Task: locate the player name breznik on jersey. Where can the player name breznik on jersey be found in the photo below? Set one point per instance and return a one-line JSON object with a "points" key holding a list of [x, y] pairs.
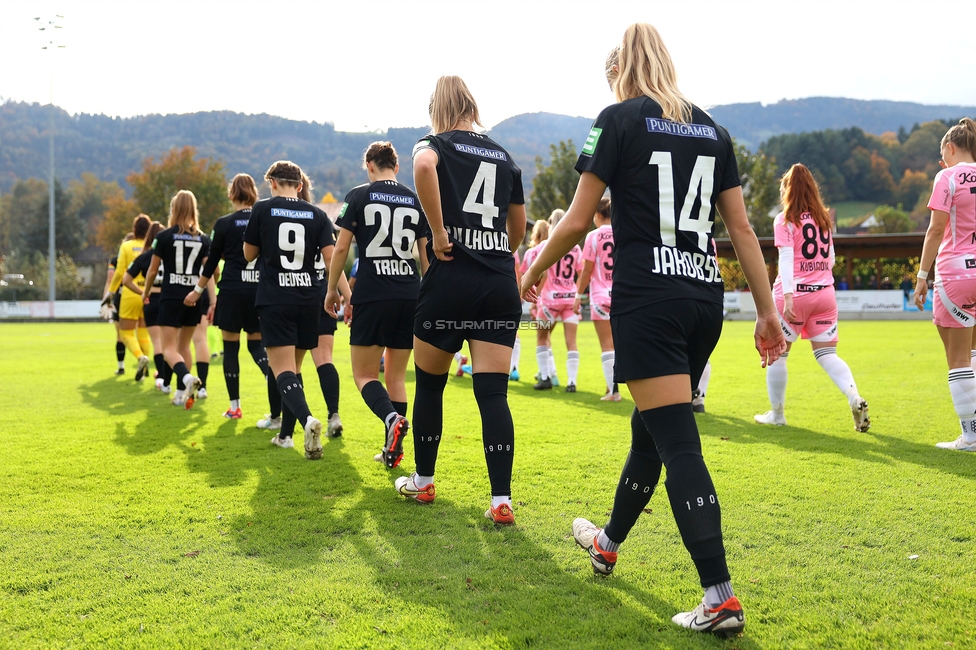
{"points": [[478, 181], [664, 208], [290, 234]]}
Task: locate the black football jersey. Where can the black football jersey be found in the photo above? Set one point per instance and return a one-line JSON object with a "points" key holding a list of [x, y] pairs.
{"points": [[227, 243], [664, 177], [140, 266], [290, 233], [182, 256], [478, 180], [386, 219]]}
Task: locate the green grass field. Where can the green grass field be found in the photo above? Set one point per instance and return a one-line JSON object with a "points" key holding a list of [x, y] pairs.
{"points": [[126, 522]]}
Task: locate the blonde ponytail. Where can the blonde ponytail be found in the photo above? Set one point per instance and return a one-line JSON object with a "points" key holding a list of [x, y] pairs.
{"points": [[646, 69]]}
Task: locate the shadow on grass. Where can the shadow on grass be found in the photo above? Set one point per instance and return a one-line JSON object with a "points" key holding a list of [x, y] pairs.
{"points": [[446, 557], [870, 447], [163, 425]]}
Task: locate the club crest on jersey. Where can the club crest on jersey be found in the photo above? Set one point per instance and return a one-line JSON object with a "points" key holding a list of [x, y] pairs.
{"points": [[480, 151], [292, 214], [656, 125], [390, 198]]}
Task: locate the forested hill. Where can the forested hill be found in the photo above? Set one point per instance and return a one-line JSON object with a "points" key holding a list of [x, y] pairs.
{"points": [[111, 148], [753, 124]]}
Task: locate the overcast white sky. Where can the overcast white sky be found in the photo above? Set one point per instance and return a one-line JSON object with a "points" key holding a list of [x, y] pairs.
{"points": [[371, 64]]}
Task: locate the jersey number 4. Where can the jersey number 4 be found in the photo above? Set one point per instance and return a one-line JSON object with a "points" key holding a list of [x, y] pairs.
{"points": [[186, 255], [700, 185], [485, 178]]}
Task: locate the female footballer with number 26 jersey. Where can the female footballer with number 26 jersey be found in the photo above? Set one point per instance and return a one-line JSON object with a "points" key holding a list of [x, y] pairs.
{"points": [[668, 167], [471, 192], [804, 293], [950, 244], [386, 219], [285, 234]]}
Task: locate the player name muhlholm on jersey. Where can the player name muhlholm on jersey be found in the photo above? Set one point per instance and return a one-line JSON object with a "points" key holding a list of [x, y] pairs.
{"points": [[671, 261], [480, 240]]}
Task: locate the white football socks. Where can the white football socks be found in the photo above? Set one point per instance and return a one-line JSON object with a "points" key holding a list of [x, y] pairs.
{"points": [[838, 371], [972, 360], [552, 362], [718, 594], [422, 481], [706, 376], [542, 357], [776, 382], [607, 360], [516, 352], [235, 404], [962, 387], [572, 366], [497, 501]]}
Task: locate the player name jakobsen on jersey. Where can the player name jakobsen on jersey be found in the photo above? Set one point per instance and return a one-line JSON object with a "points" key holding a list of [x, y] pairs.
{"points": [[480, 240], [672, 261]]}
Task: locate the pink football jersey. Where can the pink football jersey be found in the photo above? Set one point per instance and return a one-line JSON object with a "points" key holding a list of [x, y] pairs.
{"points": [[598, 249], [560, 287], [530, 255], [813, 250], [955, 192]]}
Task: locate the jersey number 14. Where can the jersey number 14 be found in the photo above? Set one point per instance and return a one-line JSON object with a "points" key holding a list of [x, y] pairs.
{"points": [[700, 185]]}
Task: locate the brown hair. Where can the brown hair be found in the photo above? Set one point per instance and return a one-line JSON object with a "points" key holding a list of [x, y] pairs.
{"points": [[139, 226], [305, 194], [284, 172], [801, 195], [962, 135], [154, 229], [646, 69], [450, 103], [183, 213], [381, 154], [243, 190], [540, 233], [603, 207]]}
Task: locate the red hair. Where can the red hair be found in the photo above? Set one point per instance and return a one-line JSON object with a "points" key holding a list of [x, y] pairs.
{"points": [[800, 194]]}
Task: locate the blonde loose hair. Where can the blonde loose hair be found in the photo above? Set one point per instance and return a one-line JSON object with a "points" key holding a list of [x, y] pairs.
{"points": [[540, 233], [183, 213], [554, 218], [450, 103], [646, 69], [962, 135]]}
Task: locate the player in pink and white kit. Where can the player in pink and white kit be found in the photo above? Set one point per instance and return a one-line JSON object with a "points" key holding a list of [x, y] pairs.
{"points": [[804, 293], [598, 274], [556, 305], [953, 222], [543, 354]]}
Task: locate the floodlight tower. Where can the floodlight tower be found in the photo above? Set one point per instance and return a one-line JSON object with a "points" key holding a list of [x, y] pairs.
{"points": [[51, 42]]}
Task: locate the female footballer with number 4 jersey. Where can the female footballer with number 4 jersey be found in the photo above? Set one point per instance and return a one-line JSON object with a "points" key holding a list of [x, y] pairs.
{"points": [[235, 310], [598, 274], [285, 234], [949, 243], [668, 167], [471, 192], [386, 220], [804, 293], [182, 251]]}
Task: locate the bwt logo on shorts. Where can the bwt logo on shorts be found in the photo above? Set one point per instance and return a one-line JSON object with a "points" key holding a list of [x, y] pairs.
{"points": [[960, 314], [824, 322]]}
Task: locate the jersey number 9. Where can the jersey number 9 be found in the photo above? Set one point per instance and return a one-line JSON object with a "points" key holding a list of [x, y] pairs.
{"points": [[291, 239]]}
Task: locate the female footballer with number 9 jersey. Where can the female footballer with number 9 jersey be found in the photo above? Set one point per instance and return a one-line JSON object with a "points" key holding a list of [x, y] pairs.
{"points": [[804, 293], [949, 243], [471, 191], [668, 167]]}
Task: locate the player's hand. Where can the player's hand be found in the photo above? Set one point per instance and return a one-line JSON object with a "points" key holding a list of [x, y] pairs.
{"points": [[347, 314], [442, 246], [332, 303], [528, 288], [145, 296], [788, 312], [191, 298], [210, 313], [921, 293], [769, 337], [106, 300], [576, 306]]}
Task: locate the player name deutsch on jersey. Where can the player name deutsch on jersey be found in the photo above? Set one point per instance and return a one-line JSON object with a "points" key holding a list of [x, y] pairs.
{"points": [[673, 261], [294, 279]]}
